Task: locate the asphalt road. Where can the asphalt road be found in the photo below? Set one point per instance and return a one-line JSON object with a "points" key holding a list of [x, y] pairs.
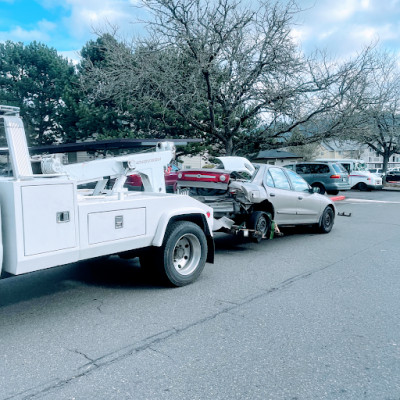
{"points": [[304, 316]]}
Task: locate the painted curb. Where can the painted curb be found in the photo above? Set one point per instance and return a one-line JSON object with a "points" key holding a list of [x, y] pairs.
{"points": [[337, 198]]}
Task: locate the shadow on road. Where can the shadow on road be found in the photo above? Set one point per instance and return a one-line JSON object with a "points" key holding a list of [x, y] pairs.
{"points": [[107, 273], [112, 273], [238, 243]]}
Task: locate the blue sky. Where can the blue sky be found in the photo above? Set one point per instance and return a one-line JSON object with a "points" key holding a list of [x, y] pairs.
{"points": [[342, 27]]}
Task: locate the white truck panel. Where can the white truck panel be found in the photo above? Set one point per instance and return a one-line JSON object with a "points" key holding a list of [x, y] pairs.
{"points": [[48, 218], [26, 225], [115, 225]]}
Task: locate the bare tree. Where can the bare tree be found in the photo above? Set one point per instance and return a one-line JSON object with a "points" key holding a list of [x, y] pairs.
{"points": [[378, 120], [223, 65]]}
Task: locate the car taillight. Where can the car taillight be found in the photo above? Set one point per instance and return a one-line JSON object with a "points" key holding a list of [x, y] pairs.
{"points": [[335, 176]]}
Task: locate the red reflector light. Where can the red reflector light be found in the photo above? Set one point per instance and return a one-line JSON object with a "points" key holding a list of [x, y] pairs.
{"points": [[208, 214], [335, 176]]}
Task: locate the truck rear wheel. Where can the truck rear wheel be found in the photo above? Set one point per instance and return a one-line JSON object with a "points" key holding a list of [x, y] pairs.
{"points": [[362, 187], [181, 258]]}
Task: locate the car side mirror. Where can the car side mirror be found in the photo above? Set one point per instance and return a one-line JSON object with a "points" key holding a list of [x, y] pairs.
{"points": [[314, 190]]}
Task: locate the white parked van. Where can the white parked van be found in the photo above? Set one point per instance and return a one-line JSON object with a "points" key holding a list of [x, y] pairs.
{"points": [[359, 176]]}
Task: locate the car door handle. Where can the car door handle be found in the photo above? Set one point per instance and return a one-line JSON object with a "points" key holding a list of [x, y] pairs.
{"points": [[272, 194], [300, 198]]}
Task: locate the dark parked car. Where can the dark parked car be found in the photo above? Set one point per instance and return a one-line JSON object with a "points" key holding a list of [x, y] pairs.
{"points": [[327, 176], [392, 176]]}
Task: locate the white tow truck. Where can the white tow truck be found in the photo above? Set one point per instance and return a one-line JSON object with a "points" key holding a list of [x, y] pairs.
{"points": [[47, 220]]}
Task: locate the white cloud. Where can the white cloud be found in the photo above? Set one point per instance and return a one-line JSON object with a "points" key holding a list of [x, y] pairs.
{"points": [[300, 33], [343, 10], [367, 33], [345, 27], [40, 33], [46, 26], [19, 34], [326, 34], [85, 17]]}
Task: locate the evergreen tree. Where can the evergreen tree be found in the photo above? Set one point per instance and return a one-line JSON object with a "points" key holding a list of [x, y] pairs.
{"points": [[36, 79]]}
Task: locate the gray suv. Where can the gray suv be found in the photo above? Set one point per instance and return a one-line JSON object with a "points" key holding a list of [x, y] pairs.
{"points": [[328, 177]]}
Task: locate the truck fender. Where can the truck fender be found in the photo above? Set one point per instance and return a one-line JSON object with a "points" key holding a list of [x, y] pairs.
{"points": [[192, 215]]}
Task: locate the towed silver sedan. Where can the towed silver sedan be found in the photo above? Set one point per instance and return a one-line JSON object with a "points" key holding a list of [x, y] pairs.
{"points": [[253, 195]]}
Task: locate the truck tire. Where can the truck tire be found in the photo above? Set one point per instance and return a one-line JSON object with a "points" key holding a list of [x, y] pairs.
{"points": [[182, 256], [260, 222], [362, 187]]}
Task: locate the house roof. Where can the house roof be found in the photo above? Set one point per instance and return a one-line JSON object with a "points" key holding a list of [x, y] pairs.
{"points": [[347, 145], [274, 154]]}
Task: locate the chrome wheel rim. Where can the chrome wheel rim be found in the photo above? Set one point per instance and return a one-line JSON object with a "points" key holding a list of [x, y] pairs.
{"points": [[186, 254]]}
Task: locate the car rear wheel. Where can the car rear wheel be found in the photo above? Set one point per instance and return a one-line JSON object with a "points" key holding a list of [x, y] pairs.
{"points": [[362, 186], [261, 223], [320, 187]]}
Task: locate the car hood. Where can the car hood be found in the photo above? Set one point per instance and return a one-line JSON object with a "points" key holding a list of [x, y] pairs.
{"points": [[239, 164]]}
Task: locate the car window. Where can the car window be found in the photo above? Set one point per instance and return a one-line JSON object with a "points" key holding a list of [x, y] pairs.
{"points": [[303, 169], [320, 169], [342, 168], [280, 179], [268, 181], [290, 166], [346, 166], [298, 183], [337, 168]]}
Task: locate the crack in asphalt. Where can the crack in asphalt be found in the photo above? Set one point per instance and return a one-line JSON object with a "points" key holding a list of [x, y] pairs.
{"points": [[149, 342], [161, 353], [100, 305], [76, 351]]}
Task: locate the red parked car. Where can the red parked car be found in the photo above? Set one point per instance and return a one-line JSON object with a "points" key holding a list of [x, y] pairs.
{"points": [[134, 182], [214, 181]]}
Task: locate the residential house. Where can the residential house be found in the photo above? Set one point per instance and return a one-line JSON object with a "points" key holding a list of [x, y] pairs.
{"points": [[276, 157], [350, 149]]}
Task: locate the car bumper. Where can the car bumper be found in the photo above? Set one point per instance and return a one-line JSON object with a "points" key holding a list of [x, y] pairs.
{"points": [[339, 186]]}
